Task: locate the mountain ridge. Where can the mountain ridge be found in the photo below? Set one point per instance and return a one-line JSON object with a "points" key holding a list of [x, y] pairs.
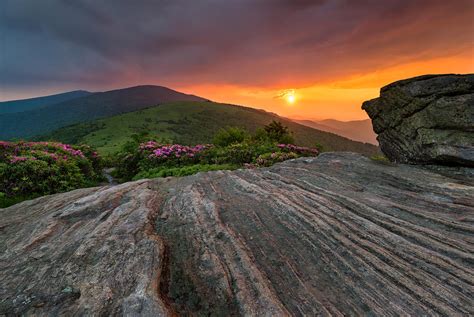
{"points": [[20, 105], [101, 104]]}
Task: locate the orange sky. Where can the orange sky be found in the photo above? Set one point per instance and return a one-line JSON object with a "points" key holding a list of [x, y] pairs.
{"points": [[339, 98]]}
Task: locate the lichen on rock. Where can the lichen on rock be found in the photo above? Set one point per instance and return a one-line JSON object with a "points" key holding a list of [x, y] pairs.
{"points": [[426, 120]]}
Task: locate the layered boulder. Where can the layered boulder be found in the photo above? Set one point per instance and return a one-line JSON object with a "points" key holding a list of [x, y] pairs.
{"points": [[426, 120], [339, 234]]}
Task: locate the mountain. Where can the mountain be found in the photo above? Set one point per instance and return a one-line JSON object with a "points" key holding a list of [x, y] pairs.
{"points": [[98, 105], [14, 106], [192, 123], [339, 234], [358, 130]]}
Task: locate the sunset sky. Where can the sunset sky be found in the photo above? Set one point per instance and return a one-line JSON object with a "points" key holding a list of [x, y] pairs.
{"points": [[330, 54]]}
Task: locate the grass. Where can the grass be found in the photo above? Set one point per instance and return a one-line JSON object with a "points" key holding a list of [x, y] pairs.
{"points": [[193, 123], [10, 201], [382, 160]]}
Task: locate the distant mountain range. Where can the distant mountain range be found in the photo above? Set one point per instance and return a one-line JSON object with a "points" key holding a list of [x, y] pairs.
{"points": [[106, 120], [38, 102], [358, 130], [46, 114]]}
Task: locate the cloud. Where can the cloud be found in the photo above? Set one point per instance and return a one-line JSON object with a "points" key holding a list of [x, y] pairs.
{"points": [[264, 43]]}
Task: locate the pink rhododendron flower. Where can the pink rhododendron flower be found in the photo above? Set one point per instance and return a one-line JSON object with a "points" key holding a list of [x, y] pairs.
{"points": [[16, 159], [159, 151], [298, 149]]}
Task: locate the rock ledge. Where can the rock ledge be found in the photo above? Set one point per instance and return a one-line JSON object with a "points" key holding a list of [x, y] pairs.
{"points": [[426, 120]]}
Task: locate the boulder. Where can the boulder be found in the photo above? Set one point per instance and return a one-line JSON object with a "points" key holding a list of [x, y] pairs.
{"points": [[339, 234], [426, 120]]}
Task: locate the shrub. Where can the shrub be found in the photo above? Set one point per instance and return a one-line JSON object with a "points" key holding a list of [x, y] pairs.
{"points": [[230, 135], [269, 159], [274, 132], [152, 154], [277, 132], [137, 139], [152, 159], [30, 169], [320, 147], [234, 148], [240, 153], [300, 150]]}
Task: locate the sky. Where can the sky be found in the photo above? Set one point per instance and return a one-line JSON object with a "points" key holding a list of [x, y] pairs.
{"points": [[330, 55]]}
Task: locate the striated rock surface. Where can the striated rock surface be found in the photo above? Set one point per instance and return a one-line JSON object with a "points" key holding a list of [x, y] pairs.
{"points": [[426, 119], [335, 235], [87, 252]]}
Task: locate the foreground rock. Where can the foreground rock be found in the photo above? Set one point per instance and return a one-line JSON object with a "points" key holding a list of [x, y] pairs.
{"points": [[339, 234], [426, 119]]}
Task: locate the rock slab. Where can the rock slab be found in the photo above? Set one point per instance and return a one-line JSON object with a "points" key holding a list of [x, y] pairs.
{"points": [[335, 235], [426, 120]]}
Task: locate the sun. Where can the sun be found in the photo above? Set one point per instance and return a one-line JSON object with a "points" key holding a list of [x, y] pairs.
{"points": [[290, 97]]}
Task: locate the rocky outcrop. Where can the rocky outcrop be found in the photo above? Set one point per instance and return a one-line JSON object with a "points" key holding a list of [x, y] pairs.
{"points": [[87, 252], [426, 119], [335, 235]]}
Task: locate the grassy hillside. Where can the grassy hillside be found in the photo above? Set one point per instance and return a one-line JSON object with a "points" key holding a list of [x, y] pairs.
{"points": [[193, 123], [84, 109]]}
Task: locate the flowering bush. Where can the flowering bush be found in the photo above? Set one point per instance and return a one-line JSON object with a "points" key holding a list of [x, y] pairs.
{"points": [[269, 159], [300, 150], [29, 169], [233, 148], [153, 154], [169, 152], [153, 159], [240, 153]]}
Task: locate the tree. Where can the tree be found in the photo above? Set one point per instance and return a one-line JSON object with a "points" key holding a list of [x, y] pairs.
{"points": [[275, 131]]}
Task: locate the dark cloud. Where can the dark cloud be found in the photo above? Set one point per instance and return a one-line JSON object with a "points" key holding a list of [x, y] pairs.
{"points": [[89, 43]]}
